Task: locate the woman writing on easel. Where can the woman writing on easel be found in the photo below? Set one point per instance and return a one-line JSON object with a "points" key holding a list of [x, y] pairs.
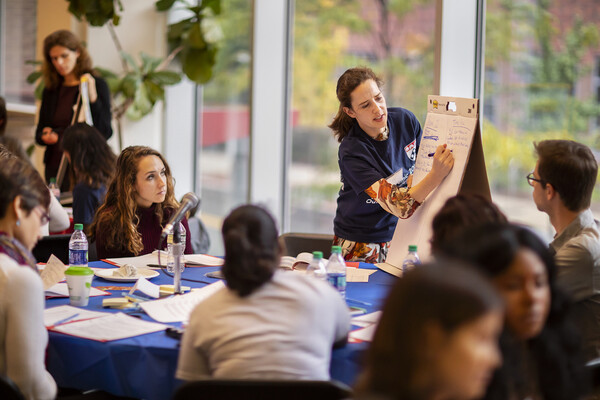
{"points": [[66, 64], [376, 142]]}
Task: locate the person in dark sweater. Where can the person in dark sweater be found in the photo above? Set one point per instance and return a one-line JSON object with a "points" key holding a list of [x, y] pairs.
{"points": [[377, 154], [66, 63], [140, 200], [93, 164]]}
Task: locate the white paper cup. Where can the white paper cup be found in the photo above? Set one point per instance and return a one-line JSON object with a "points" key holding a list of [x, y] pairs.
{"points": [[79, 282]]}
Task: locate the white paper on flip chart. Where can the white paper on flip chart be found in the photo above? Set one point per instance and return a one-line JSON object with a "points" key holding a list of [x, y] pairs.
{"points": [[178, 308], [152, 258], [61, 290], [59, 313], [110, 327]]}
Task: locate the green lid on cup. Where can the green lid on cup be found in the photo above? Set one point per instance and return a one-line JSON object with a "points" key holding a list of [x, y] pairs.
{"points": [[78, 227], [78, 270]]}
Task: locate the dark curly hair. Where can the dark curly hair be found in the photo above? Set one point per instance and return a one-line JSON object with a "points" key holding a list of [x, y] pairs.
{"points": [[252, 249], [556, 351], [92, 158]]}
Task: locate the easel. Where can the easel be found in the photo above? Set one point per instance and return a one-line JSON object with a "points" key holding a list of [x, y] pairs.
{"points": [[454, 121]]}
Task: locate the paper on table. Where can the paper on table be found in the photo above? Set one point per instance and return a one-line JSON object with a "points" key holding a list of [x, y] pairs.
{"points": [[59, 313], [53, 272], [61, 290], [152, 258], [146, 287], [358, 274], [371, 318], [178, 308], [110, 327], [364, 334]]}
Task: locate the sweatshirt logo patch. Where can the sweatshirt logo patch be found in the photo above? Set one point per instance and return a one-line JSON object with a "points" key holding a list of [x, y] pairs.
{"points": [[411, 150]]}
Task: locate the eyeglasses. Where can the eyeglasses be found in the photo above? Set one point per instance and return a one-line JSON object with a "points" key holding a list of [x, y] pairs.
{"points": [[44, 217], [531, 179]]}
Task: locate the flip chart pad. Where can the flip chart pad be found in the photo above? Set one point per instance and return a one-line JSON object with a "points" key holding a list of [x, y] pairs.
{"points": [[452, 121]]}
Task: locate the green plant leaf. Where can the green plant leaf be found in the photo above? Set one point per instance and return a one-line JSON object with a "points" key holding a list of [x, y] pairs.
{"points": [[34, 76], [214, 5], [142, 100], [129, 85], [176, 30], [155, 92], [39, 89], [131, 61], [165, 77], [133, 113], [149, 63], [195, 38], [198, 64], [33, 62], [164, 5]]}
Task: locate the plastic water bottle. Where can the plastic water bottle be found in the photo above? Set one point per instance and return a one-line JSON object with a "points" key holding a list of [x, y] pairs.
{"points": [[54, 188], [411, 260], [170, 250], [336, 270], [316, 267], [78, 247]]}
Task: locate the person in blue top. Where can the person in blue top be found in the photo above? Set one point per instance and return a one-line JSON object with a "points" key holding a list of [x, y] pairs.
{"points": [[94, 165], [377, 153]]}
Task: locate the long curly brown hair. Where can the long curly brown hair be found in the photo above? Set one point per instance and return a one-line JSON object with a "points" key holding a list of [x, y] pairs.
{"points": [[64, 38], [119, 208]]}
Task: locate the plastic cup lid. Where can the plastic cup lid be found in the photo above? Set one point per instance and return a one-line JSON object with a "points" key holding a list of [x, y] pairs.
{"points": [[77, 270]]}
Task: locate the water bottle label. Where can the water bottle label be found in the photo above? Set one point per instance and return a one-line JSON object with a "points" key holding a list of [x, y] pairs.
{"points": [[338, 281], [78, 257]]}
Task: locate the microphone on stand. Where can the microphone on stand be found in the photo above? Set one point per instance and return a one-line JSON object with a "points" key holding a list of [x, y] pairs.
{"points": [[189, 201]]}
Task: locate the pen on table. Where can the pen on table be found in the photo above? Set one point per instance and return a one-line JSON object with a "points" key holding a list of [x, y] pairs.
{"points": [[359, 302], [65, 320], [432, 154]]}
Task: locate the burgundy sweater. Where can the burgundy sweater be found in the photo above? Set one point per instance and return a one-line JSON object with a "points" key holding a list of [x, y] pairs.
{"points": [[149, 227]]}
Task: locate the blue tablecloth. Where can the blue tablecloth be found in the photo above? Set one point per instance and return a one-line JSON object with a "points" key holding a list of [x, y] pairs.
{"points": [[144, 366]]}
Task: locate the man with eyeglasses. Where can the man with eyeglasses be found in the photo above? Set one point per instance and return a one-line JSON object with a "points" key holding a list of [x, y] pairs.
{"points": [[563, 181]]}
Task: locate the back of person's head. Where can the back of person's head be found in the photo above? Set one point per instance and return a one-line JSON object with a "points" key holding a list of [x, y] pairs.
{"points": [[67, 39], [19, 178], [90, 155], [252, 249], [346, 84], [3, 115], [460, 212], [411, 356], [570, 168]]}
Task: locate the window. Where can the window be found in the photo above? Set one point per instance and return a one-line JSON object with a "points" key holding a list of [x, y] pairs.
{"points": [[18, 33], [330, 37], [223, 122], [538, 85]]}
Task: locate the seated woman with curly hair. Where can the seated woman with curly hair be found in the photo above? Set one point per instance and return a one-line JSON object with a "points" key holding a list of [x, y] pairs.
{"points": [[139, 203]]}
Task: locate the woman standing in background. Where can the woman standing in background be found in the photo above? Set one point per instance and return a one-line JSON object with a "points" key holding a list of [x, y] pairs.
{"points": [[66, 63]]}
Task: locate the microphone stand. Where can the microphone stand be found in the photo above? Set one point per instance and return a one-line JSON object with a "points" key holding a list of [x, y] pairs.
{"points": [[178, 248]]}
